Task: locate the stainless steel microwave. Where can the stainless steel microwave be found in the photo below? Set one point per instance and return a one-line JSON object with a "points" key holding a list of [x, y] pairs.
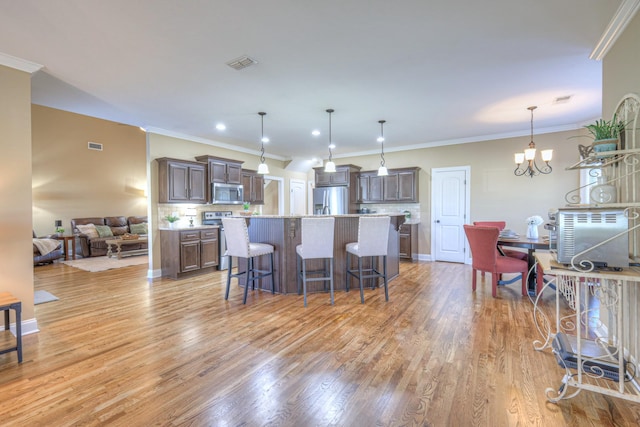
{"points": [[227, 194]]}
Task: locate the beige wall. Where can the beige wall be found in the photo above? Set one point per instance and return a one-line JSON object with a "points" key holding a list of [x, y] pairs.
{"points": [[15, 189], [621, 68], [496, 193], [71, 181]]}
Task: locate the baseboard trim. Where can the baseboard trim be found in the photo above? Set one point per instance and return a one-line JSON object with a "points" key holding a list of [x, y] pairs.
{"points": [[154, 274], [424, 257], [28, 327]]}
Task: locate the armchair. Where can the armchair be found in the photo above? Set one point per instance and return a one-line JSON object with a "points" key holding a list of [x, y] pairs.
{"points": [[49, 257]]}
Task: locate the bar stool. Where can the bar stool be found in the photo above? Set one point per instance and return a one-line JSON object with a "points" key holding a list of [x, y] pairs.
{"points": [[317, 243], [373, 239], [238, 245], [9, 302]]}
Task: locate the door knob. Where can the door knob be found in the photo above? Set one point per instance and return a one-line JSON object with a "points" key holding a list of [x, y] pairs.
{"points": [[437, 221]]}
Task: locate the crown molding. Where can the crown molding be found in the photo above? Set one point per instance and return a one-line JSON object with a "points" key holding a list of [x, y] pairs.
{"points": [[18, 63], [179, 135], [623, 16]]}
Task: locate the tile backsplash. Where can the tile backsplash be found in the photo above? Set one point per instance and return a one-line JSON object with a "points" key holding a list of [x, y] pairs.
{"points": [[414, 208]]}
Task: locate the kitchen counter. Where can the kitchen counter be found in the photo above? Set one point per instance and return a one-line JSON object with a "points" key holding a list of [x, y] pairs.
{"points": [[284, 233]]}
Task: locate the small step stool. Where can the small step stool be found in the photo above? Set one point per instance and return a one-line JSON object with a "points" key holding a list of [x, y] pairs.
{"points": [[9, 302]]}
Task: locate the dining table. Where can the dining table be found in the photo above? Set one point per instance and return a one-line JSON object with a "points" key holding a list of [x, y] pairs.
{"points": [[530, 245]]}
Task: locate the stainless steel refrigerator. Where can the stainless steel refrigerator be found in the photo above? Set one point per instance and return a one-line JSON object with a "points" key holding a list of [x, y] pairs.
{"points": [[330, 200]]}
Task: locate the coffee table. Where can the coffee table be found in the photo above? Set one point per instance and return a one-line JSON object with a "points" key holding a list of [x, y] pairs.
{"points": [[118, 243]]}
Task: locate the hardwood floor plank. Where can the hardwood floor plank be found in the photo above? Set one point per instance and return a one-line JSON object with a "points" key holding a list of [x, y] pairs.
{"points": [[117, 349]]}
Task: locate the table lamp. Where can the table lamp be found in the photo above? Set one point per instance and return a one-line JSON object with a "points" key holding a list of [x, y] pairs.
{"points": [[191, 213]]}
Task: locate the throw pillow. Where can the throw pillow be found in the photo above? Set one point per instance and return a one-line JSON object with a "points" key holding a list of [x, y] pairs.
{"points": [[89, 230], [104, 231], [141, 228]]}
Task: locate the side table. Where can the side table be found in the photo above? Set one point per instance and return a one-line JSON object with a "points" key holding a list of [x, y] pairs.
{"points": [[65, 244], [9, 302]]}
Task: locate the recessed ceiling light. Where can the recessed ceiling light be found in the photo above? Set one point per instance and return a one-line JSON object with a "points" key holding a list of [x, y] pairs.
{"points": [[315, 132], [265, 139], [221, 126], [332, 146]]}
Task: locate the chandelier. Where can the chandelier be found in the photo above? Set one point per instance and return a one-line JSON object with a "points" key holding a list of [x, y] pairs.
{"points": [[531, 169]]}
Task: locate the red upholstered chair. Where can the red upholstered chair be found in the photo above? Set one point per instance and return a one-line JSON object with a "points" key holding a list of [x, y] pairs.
{"points": [[501, 225], [483, 241]]}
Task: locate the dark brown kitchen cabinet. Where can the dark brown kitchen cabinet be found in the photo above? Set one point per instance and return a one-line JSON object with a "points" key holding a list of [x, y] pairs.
{"points": [[400, 186], [344, 175], [181, 181], [190, 251], [408, 234], [253, 185], [370, 188], [225, 171]]}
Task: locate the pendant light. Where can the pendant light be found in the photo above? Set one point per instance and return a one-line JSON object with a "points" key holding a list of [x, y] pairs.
{"points": [[263, 168], [529, 155], [330, 166], [382, 170]]}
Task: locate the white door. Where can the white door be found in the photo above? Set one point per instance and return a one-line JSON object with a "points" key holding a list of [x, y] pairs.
{"points": [[449, 211], [297, 199]]}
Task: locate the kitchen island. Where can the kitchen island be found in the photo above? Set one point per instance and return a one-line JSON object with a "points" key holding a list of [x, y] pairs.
{"points": [[284, 233]]}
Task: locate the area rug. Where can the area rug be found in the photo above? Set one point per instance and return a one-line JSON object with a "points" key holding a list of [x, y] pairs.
{"points": [[40, 297], [102, 263]]}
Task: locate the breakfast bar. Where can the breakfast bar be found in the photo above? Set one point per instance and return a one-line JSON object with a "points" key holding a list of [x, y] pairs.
{"points": [[284, 233]]}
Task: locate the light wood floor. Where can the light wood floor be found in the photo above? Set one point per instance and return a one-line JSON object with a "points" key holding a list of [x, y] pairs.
{"points": [[119, 350]]}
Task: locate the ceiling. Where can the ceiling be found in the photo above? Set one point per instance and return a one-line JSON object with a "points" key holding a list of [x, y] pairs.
{"points": [[438, 71]]}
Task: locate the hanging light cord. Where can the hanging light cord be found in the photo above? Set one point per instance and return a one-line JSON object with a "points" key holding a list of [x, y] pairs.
{"points": [[262, 136], [531, 109], [382, 141], [330, 110]]}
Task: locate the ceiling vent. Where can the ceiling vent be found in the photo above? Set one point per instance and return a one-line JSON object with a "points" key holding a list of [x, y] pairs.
{"points": [[242, 62], [94, 146], [562, 99]]}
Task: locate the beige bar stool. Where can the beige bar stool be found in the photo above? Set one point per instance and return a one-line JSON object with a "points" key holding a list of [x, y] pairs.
{"points": [[317, 243], [238, 245], [373, 239]]}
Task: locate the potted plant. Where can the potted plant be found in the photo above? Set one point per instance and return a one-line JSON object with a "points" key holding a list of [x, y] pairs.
{"points": [[245, 209], [171, 219], [606, 133]]}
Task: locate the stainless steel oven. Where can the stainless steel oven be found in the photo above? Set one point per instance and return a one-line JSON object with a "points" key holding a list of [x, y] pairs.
{"points": [[215, 218]]}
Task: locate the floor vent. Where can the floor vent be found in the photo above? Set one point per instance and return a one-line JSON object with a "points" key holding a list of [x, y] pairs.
{"points": [[94, 146], [242, 62]]}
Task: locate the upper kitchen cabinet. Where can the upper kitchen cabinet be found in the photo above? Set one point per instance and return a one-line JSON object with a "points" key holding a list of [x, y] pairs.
{"points": [[344, 175], [400, 186], [370, 188], [225, 171], [253, 185], [181, 181]]}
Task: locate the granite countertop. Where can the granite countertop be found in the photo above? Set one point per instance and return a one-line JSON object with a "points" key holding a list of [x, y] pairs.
{"points": [[311, 216], [187, 228]]}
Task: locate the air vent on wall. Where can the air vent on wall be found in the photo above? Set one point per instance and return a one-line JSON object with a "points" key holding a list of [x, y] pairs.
{"points": [[562, 99], [94, 146], [242, 62]]}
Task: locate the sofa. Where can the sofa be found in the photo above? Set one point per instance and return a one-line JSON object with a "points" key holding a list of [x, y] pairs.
{"points": [[49, 257], [94, 232]]}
